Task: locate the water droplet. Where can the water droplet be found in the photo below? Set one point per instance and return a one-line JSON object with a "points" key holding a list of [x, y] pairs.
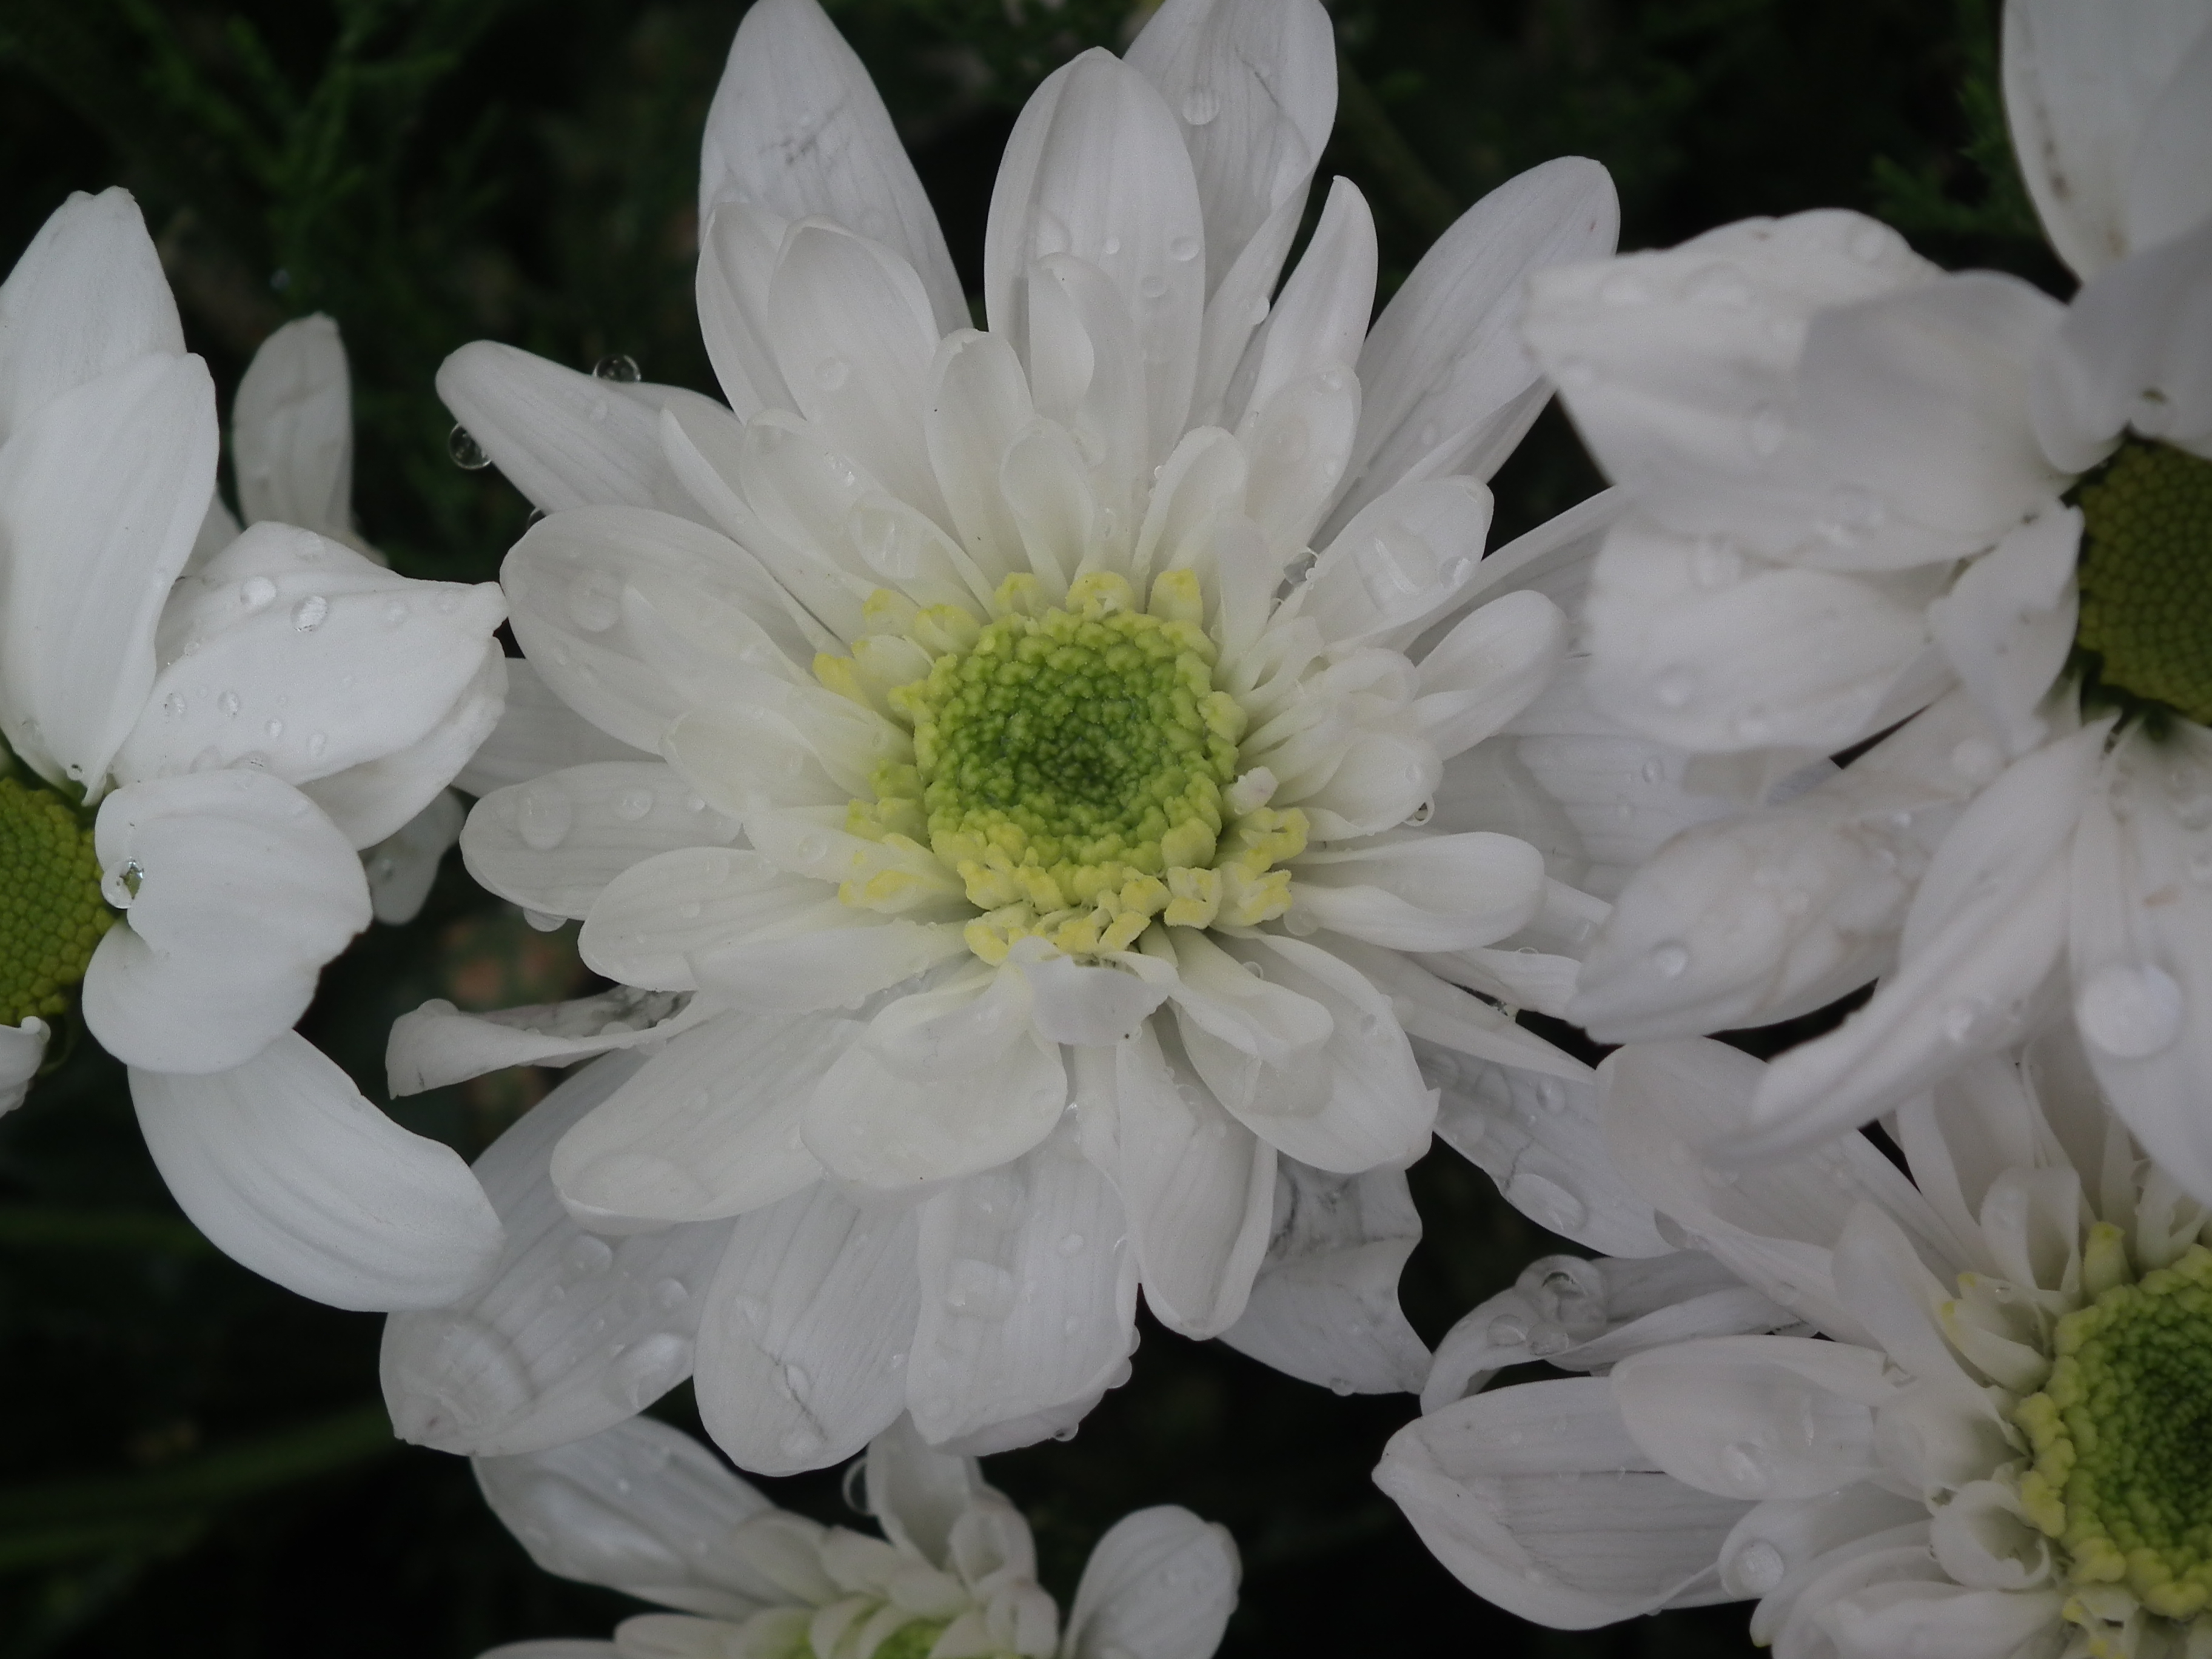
{"points": [[1183, 249], [307, 615], [832, 372], [541, 817], [1200, 105], [468, 454], [1744, 1465], [1653, 770], [799, 1443], [395, 612], [119, 887], [273, 730], [1547, 1340], [2131, 1011], [1674, 685], [633, 804], [1757, 1568], [1506, 1331], [649, 1370], [1962, 1020], [588, 1255], [1111, 246], [173, 706], [616, 366], [229, 704], [1152, 288], [795, 1380], [1765, 432], [595, 600], [317, 742], [1072, 1245], [813, 847], [1671, 959], [980, 1290], [255, 592], [1422, 814]]}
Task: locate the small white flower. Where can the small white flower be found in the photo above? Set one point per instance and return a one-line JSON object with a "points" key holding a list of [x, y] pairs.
{"points": [[1864, 490], [1049, 855], [1959, 1413], [646, 1509], [215, 722]]}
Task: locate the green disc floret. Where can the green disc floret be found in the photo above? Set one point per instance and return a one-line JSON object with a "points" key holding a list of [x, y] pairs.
{"points": [[51, 912], [2146, 577], [2122, 1434]]}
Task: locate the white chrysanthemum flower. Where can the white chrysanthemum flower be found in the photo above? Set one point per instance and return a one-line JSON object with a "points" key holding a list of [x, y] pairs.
{"points": [[214, 722], [1003, 772], [1958, 1410], [1862, 488], [646, 1509]]}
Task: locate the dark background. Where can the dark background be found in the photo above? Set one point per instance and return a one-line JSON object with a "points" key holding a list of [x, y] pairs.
{"points": [[193, 1463]]}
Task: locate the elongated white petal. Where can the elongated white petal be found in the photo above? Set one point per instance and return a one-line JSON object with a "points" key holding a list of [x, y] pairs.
{"points": [[1029, 1301], [1984, 929], [1324, 1307], [1542, 1140], [102, 490], [1160, 1584], [1433, 1008], [1444, 358], [798, 128], [1537, 1498], [709, 1128], [1101, 1005], [918, 1493], [641, 1508], [978, 405], [2007, 623], [1320, 322], [22, 1051], [870, 1124], [2166, 189], [1422, 892], [536, 734], [572, 1333], [87, 296], [291, 430], [1488, 669], [402, 867], [297, 655], [292, 1172], [2079, 88], [647, 924], [1096, 159], [437, 1044], [803, 1351], [1942, 1621], [1199, 1186], [244, 891], [553, 844]]}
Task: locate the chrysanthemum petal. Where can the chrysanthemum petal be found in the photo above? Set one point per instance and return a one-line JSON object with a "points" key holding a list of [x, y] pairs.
{"points": [[1160, 1584], [22, 1051], [291, 429], [536, 734], [376, 798], [436, 1044], [553, 844], [403, 867]]}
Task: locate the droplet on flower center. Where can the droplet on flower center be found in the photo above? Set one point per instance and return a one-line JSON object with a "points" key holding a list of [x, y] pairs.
{"points": [[2123, 1439], [2146, 577], [51, 912]]}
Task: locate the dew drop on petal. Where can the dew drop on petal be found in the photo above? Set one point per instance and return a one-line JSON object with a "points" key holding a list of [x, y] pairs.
{"points": [[1675, 686], [1183, 249], [2130, 1010], [273, 730], [588, 1255], [1756, 1568], [1200, 105], [541, 817], [617, 367], [1670, 959], [1152, 288], [649, 1370], [831, 372], [395, 612], [1506, 1331], [633, 804], [173, 706], [255, 592], [229, 704], [1743, 1464], [1072, 1245], [468, 454], [307, 615]]}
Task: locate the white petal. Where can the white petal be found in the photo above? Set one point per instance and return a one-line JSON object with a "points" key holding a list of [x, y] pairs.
{"points": [[1096, 159], [573, 1333], [1160, 1584], [218, 530], [1421, 892], [633, 617], [1775, 1549], [291, 1172], [977, 406], [563, 439], [1199, 1186], [651, 920], [1324, 1307], [402, 867], [22, 1051], [2135, 350], [536, 734], [832, 958], [1488, 669], [552, 845], [245, 890], [298, 656], [1300, 440], [556, 1647], [737, 248], [1444, 360], [1939, 1621], [803, 1351], [708, 1128], [375, 799], [1320, 322], [1542, 1140], [1029, 1301], [797, 127], [2007, 623], [1102, 1004], [917, 1492], [103, 491], [2079, 87], [1536, 1498], [1431, 1008], [87, 296], [1700, 645], [2141, 971], [2167, 186], [641, 1508], [1983, 931], [436, 1044], [291, 430]]}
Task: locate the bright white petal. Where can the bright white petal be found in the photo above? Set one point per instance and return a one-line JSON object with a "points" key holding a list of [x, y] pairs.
{"points": [[103, 491], [1537, 1498], [291, 430], [573, 1333], [1161, 1584], [709, 1128], [436, 1044], [291, 1172], [1320, 322], [401, 866], [553, 845], [641, 1508], [797, 127], [1939, 1621], [2007, 623], [536, 734], [803, 1351], [1488, 669], [244, 891], [1029, 1301], [2167, 191], [1421, 892], [1324, 1307], [1400, 563], [22, 1051]]}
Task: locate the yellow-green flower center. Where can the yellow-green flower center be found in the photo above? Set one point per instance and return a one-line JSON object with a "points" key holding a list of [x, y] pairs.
{"points": [[2123, 1439], [1074, 768], [51, 912], [2146, 577]]}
